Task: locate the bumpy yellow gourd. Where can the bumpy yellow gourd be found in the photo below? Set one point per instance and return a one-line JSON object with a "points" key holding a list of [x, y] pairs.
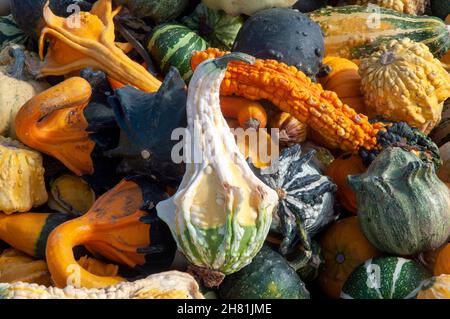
{"points": [[404, 6], [402, 81], [22, 183]]}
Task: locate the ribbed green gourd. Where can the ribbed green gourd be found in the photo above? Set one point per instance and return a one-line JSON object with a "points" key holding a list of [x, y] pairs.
{"points": [[221, 213], [403, 207]]}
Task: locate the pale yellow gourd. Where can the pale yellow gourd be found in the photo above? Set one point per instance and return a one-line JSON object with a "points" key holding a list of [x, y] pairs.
{"points": [[402, 81]]}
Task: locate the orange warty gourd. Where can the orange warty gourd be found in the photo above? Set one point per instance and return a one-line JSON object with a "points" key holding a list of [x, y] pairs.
{"points": [[344, 79], [342, 167], [293, 92], [92, 44], [442, 265], [344, 247]]}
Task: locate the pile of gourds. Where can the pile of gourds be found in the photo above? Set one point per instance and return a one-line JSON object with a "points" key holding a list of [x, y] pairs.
{"points": [[122, 175]]}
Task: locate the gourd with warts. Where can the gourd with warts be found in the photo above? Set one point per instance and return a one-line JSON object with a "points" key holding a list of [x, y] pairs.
{"points": [[404, 6], [221, 213], [402, 81]]}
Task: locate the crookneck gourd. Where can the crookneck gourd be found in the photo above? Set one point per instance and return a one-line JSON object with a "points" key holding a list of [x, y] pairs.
{"points": [[306, 198], [166, 285], [122, 226], [22, 184], [292, 91], [28, 232], [91, 44], [221, 213], [402, 81], [403, 207]]}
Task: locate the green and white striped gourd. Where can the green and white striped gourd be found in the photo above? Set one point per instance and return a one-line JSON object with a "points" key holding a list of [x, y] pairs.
{"points": [[355, 31], [385, 278], [173, 45], [221, 213], [10, 32], [403, 207]]}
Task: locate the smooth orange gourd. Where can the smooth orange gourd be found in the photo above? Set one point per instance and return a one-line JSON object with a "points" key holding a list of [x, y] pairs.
{"points": [[342, 167], [435, 288], [53, 123], [442, 265], [344, 247], [90, 44], [293, 92], [120, 228], [250, 114]]}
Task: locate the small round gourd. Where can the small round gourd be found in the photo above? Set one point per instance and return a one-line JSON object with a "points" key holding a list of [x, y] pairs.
{"points": [[442, 264], [402, 81]]}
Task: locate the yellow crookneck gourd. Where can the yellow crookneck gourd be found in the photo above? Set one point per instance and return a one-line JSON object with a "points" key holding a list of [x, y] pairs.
{"points": [[402, 81], [221, 213], [90, 44]]}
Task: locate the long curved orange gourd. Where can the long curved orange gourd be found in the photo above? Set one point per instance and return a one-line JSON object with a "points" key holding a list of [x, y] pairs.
{"points": [[293, 92], [114, 227], [43, 121], [90, 44]]}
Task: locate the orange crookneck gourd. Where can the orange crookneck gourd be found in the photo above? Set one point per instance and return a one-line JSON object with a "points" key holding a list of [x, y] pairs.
{"points": [[91, 43]]}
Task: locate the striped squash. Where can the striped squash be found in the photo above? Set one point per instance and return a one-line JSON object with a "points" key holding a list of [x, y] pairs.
{"points": [[173, 45], [10, 32], [355, 31], [385, 278]]}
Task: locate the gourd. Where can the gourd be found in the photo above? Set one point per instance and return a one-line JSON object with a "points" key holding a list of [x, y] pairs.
{"points": [[402, 81], [268, 276], [440, 8], [216, 27], [344, 248], [248, 7], [10, 32], [305, 198], [221, 212], [342, 77], [22, 184], [385, 278], [166, 285], [291, 130], [351, 32], [17, 85], [284, 35], [309, 5], [173, 45], [340, 126], [157, 10], [250, 114], [28, 232], [98, 267], [403, 207], [92, 44], [442, 265], [444, 172], [15, 266], [147, 123], [404, 6], [435, 288], [345, 165], [71, 195], [122, 226]]}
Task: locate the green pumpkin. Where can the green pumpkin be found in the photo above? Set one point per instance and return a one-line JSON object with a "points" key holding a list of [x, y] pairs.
{"points": [[403, 207], [268, 276], [173, 45], [218, 28], [385, 278], [10, 32], [157, 10]]}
